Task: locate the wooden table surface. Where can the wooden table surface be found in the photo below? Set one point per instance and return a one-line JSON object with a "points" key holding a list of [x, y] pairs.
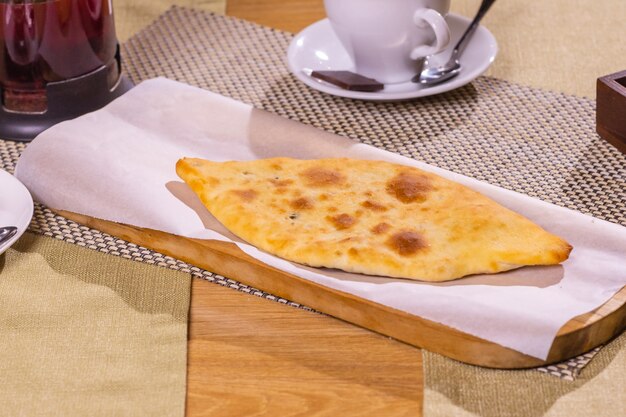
{"points": [[288, 15], [251, 356]]}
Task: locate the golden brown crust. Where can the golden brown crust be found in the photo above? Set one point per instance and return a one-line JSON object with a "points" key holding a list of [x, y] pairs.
{"points": [[369, 217]]}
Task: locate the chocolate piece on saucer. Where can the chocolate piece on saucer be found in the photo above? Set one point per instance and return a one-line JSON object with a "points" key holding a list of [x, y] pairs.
{"points": [[348, 80]]}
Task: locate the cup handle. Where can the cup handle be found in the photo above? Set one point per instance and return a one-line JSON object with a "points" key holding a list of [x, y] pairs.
{"points": [[439, 26]]}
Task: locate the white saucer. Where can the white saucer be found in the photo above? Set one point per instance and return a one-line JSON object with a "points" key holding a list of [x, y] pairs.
{"points": [[16, 206], [317, 48]]}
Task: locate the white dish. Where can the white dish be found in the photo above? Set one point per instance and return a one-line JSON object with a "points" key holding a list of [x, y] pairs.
{"points": [[16, 206], [318, 48]]}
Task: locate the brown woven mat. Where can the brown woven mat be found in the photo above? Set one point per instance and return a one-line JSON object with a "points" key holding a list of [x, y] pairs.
{"points": [[536, 142]]}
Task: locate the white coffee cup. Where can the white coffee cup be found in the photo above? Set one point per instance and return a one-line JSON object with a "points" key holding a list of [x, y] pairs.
{"points": [[389, 39]]}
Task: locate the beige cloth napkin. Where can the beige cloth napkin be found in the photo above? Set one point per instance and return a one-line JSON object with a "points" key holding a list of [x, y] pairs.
{"points": [[88, 334], [455, 389], [130, 16], [559, 45]]}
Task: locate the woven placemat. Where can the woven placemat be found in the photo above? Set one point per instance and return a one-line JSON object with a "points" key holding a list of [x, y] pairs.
{"points": [[536, 142]]}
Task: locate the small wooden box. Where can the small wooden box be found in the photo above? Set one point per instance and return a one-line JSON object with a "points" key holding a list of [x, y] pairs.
{"points": [[611, 109]]}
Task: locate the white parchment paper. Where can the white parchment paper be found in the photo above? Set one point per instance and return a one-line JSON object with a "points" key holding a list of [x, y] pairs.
{"points": [[119, 164]]}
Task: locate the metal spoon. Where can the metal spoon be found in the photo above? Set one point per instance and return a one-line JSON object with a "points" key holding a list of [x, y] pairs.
{"points": [[6, 233], [435, 75]]}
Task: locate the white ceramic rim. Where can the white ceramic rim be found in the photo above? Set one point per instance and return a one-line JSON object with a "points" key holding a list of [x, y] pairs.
{"points": [[16, 206]]}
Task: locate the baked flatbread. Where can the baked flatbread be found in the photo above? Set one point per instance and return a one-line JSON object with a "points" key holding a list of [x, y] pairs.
{"points": [[369, 217]]}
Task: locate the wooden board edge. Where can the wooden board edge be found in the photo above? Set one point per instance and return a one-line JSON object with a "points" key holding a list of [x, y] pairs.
{"points": [[578, 336]]}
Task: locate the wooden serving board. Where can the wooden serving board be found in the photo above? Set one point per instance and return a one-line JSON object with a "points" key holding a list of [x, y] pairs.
{"points": [[577, 336]]}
